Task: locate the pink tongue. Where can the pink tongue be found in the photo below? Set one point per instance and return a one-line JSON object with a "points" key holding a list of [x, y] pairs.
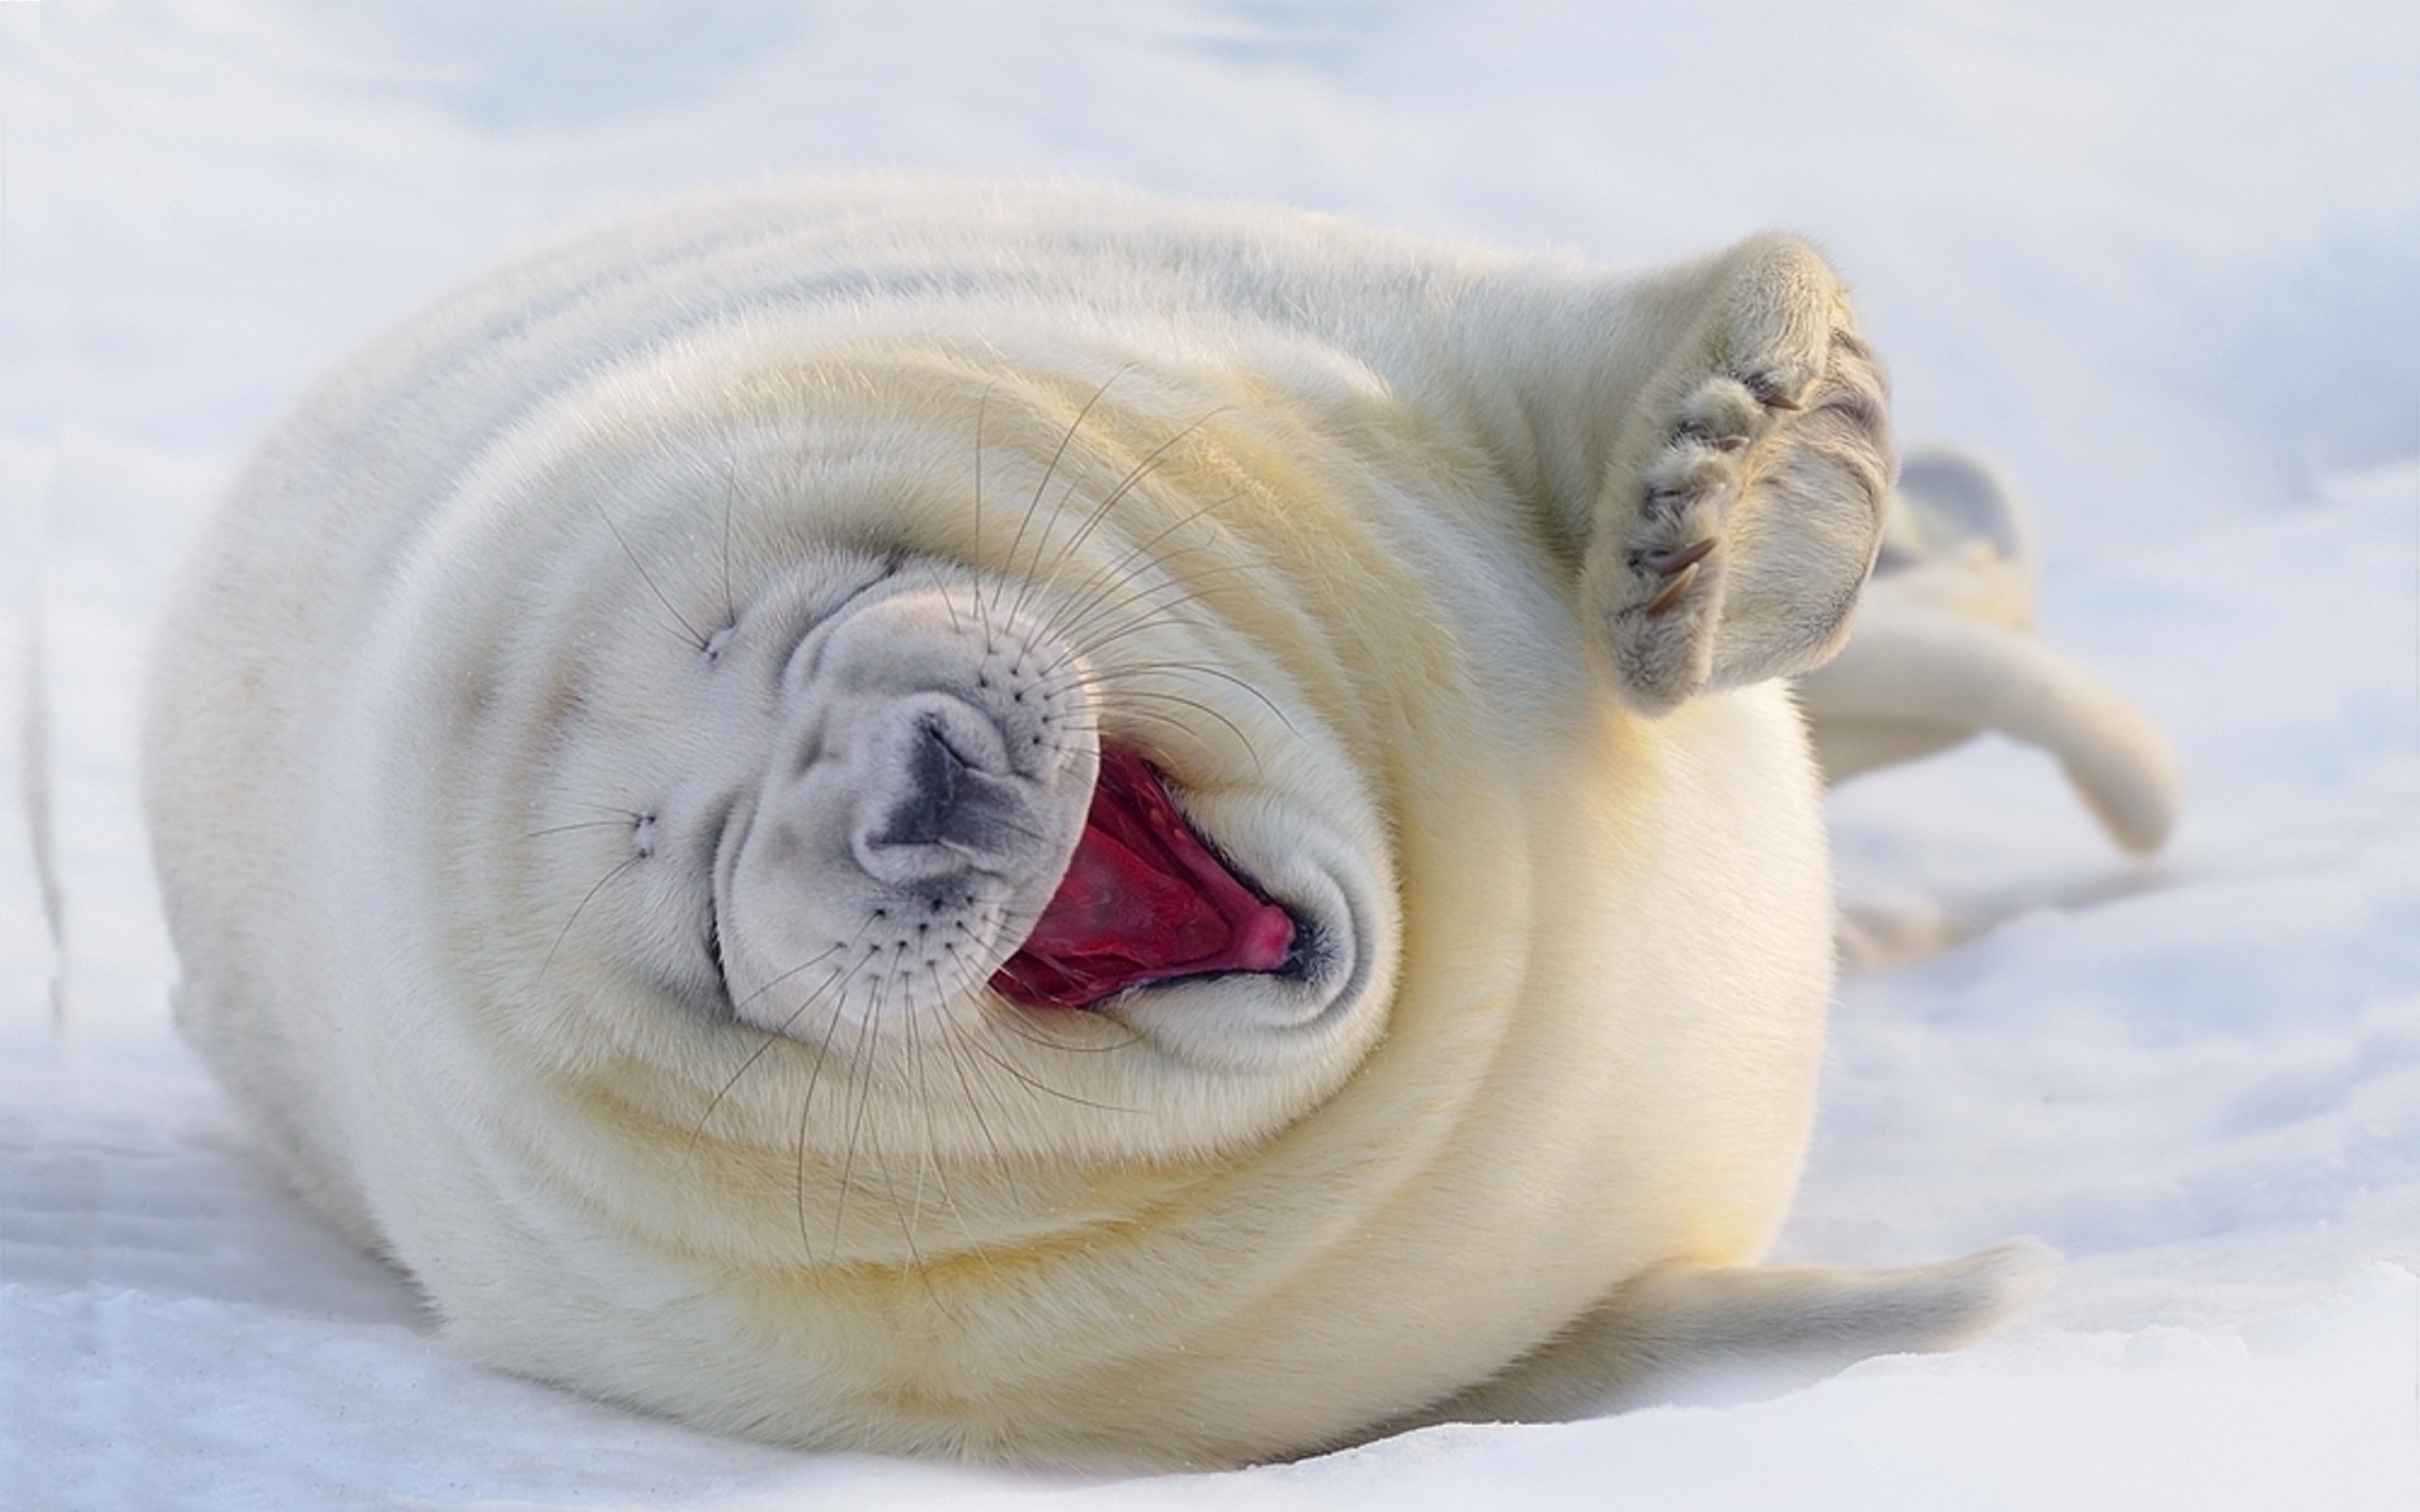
{"points": [[1143, 901]]}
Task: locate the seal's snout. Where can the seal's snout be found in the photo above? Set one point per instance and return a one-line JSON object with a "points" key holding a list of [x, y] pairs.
{"points": [[930, 771], [954, 730], [941, 797]]}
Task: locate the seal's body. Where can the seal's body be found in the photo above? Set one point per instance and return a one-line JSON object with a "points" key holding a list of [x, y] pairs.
{"points": [[1031, 824]]}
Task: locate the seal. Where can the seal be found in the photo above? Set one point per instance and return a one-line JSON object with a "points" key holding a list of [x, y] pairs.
{"points": [[1028, 824]]}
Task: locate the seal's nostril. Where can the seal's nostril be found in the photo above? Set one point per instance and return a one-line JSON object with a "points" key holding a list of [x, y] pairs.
{"points": [[936, 775]]}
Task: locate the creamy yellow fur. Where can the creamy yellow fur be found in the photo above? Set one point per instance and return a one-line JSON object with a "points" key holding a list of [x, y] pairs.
{"points": [[1344, 531]]}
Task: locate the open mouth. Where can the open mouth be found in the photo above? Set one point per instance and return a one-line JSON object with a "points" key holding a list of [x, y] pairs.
{"points": [[1144, 900]]}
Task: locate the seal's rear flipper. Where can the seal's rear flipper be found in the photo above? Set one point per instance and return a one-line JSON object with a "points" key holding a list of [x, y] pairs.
{"points": [[1943, 649], [1913, 679], [1698, 1333]]}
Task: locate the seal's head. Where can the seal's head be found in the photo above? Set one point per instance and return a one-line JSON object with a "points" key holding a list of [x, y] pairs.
{"points": [[917, 802], [890, 814]]}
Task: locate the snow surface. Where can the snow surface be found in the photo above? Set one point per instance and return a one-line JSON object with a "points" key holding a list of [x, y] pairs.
{"points": [[2161, 261]]}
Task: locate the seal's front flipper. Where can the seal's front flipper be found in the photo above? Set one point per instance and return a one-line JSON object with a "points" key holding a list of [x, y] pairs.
{"points": [[1743, 500], [1698, 1333]]}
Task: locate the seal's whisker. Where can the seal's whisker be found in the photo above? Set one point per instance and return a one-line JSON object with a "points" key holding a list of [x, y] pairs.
{"points": [[836, 981], [1016, 1021], [1105, 580], [617, 811], [982, 610], [991, 1024], [697, 1131], [858, 1092], [806, 1103], [1010, 1017], [961, 1040], [1108, 675], [771, 1037], [622, 823], [926, 1153], [730, 496], [1098, 593], [564, 932], [1134, 475], [949, 607], [940, 1164], [1121, 608], [973, 1103], [1146, 606], [823, 954], [1051, 471], [702, 641], [1154, 716], [1043, 1088], [1167, 666], [1124, 671], [877, 1161], [768, 1038], [1152, 609], [1126, 708], [913, 1214], [1023, 1027], [823, 1041]]}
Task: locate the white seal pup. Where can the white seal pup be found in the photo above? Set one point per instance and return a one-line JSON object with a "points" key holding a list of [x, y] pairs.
{"points": [[1030, 824]]}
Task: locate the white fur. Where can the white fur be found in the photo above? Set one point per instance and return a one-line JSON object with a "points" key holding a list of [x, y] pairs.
{"points": [[594, 614]]}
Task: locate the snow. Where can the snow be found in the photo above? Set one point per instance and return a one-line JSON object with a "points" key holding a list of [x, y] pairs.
{"points": [[2162, 263]]}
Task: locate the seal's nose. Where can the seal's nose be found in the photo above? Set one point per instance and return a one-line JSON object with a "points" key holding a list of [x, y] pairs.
{"points": [[939, 796], [935, 778]]}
